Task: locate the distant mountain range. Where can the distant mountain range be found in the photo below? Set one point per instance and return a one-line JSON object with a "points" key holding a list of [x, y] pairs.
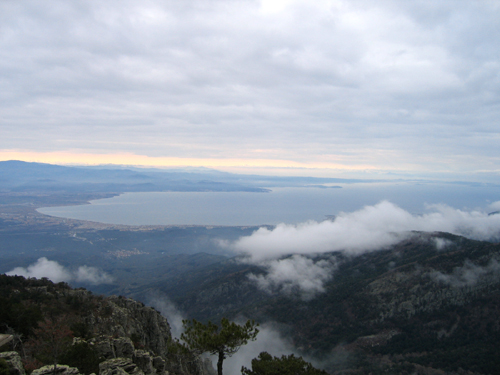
{"points": [[19, 176]]}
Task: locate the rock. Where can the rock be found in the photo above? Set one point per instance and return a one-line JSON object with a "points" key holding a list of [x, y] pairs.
{"points": [[124, 317], [14, 361], [159, 365], [109, 347], [59, 370], [119, 366], [4, 339], [123, 347], [145, 362]]}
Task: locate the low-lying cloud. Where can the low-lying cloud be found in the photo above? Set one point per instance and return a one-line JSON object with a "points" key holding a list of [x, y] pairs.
{"points": [[55, 272], [269, 339], [371, 228], [441, 243], [368, 229], [468, 275], [295, 275], [170, 311]]}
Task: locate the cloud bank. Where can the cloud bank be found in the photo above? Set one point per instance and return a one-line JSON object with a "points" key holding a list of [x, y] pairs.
{"points": [[57, 273], [369, 229]]}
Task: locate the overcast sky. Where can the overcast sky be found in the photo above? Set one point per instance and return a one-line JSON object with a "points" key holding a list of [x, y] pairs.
{"points": [[405, 88]]}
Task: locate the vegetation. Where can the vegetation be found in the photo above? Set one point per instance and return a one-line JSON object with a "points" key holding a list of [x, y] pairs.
{"points": [[383, 311], [82, 356], [4, 367], [265, 364], [50, 340], [221, 341]]}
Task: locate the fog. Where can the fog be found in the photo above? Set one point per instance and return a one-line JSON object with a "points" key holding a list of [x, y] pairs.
{"points": [[371, 228], [272, 338], [468, 275], [269, 339], [296, 274], [55, 272], [169, 310]]}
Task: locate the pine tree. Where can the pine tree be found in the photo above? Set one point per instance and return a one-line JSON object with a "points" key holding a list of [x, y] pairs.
{"points": [[223, 341]]}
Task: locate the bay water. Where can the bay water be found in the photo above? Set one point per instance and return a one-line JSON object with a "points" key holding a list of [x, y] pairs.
{"points": [[281, 205]]}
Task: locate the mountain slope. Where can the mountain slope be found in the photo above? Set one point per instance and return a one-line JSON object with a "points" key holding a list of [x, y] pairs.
{"points": [[411, 304], [43, 317]]}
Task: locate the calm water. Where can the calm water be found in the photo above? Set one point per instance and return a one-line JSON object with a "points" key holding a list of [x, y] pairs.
{"points": [[288, 205]]}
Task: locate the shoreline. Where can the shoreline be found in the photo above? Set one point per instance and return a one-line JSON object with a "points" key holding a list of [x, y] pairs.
{"points": [[27, 214]]}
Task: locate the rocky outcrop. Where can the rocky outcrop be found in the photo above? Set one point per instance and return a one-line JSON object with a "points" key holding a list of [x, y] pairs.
{"points": [[121, 357], [58, 370], [126, 318], [110, 347], [14, 362], [119, 366]]}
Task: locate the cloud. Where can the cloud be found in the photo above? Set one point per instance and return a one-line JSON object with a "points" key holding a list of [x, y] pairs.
{"points": [[168, 309], [468, 275], [495, 206], [57, 273], [216, 79], [371, 228], [269, 339], [91, 275], [43, 268], [296, 274], [441, 243]]}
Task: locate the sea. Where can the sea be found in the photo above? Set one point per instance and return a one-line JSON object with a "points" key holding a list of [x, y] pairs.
{"points": [[291, 205]]}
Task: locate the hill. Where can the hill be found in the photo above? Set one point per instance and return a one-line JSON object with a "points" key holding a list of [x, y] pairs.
{"points": [[431, 302]]}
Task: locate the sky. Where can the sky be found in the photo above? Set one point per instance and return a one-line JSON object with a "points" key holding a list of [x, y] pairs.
{"points": [[294, 87]]}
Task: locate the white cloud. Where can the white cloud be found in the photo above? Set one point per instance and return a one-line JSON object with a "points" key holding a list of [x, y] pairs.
{"points": [[91, 275], [43, 268], [269, 339], [371, 228], [296, 274], [495, 206], [442, 243], [468, 275], [57, 273], [170, 311]]}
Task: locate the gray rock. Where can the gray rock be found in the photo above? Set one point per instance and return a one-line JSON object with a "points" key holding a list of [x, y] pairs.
{"points": [[144, 360], [109, 347], [59, 370], [123, 347], [159, 365], [119, 366], [14, 361]]}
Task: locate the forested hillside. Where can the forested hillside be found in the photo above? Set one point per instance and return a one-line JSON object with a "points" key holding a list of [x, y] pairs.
{"points": [[417, 304]]}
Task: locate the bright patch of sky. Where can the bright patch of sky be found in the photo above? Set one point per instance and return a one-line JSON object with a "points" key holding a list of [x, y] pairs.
{"points": [[325, 87]]}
